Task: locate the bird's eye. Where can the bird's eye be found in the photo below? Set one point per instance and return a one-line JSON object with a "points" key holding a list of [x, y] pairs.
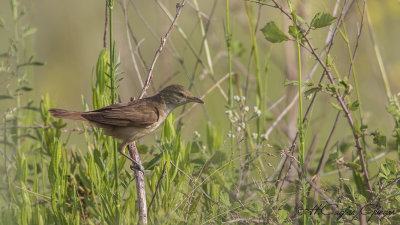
{"points": [[181, 95]]}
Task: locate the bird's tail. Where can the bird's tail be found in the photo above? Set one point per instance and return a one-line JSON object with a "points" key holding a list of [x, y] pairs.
{"points": [[66, 114]]}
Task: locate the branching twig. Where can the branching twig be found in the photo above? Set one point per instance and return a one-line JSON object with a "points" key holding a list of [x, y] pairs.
{"points": [[162, 44], [341, 100]]}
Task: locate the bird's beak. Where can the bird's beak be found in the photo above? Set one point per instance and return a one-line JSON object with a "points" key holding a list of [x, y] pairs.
{"points": [[198, 100]]}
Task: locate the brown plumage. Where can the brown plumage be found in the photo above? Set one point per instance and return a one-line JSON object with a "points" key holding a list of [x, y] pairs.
{"points": [[133, 120]]}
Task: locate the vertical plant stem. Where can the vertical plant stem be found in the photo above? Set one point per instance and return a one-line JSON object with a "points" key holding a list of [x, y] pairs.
{"points": [[113, 100], [105, 26], [5, 158], [259, 102], [228, 38], [300, 116], [228, 45], [353, 71], [203, 32], [378, 56]]}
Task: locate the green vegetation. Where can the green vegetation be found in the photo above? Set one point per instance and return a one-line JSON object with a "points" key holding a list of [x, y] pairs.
{"points": [[245, 163]]}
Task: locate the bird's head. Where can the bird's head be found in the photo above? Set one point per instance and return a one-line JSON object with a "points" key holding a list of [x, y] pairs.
{"points": [[176, 95]]}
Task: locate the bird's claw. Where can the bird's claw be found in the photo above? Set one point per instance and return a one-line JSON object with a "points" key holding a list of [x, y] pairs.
{"points": [[137, 167]]}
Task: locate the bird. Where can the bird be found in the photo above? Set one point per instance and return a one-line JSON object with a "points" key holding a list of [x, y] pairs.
{"points": [[133, 120]]}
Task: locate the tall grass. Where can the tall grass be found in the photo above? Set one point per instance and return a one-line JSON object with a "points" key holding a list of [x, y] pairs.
{"points": [[221, 173]]}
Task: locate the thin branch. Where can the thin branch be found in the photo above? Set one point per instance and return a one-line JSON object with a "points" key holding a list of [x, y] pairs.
{"points": [[202, 45], [328, 46], [203, 96], [140, 185], [162, 44], [341, 101], [191, 180], [155, 191], [105, 27], [123, 5], [133, 152]]}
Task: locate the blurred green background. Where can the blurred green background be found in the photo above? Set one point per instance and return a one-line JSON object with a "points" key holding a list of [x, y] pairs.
{"points": [[69, 38]]}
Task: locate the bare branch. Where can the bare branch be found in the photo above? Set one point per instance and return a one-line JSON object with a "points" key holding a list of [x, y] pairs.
{"points": [[158, 52]]}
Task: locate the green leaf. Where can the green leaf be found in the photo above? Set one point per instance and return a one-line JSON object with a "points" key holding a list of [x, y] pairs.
{"points": [[218, 157], [391, 165], [2, 22], [322, 20], [295, 32], [224, 198], [29, 31], [142, 149], [354, 106], [273, 34], [349, 191], [237, 48], [150, 165], [35, 63], [385, 170], [24, 88], [379, 138], [345, 147], [101, 68], [199, 161], [312, 91], [5, 97], [336, 106], [283, 214], [300, 19], [361, 198], [354, 166]]}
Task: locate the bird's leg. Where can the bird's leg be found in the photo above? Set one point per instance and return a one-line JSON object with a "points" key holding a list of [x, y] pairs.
{"points": [[121, 150]]}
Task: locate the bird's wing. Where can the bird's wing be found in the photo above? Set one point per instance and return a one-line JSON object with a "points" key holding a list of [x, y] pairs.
{"points": [[133, 114]]}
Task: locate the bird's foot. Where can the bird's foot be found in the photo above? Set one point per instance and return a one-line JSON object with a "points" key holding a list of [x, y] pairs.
{"points": [[137, 166]]}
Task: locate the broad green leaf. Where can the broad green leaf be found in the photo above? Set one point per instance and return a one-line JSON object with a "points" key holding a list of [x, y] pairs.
{"points": [[379, 138], [283, 214], [312, 91], [392, 165], [322, 20], [354, 106], [273, 34], [349, 191], [361, 198], [345, 147], [142, 149], [237, 48], [295, 32], [354, 166]]}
